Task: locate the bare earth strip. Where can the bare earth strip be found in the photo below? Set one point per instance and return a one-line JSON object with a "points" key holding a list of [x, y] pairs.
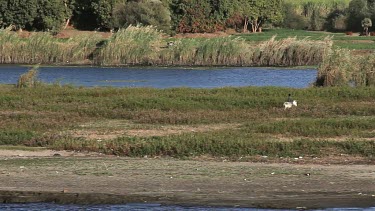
{"points": [[75, 178]]}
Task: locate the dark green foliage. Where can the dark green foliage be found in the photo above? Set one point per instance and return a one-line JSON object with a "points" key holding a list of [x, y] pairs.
{"points": [[337, 21], [145, 13], [51, 16], [94, 14], [292, 19], [102, 10], [209, 16], [193, 16], [83, 15], [18, 13], [358, 10], [316, 15], [44, 15]]}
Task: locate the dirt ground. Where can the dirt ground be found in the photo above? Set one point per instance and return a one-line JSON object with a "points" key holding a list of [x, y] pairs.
{"points": [[71, 177]]}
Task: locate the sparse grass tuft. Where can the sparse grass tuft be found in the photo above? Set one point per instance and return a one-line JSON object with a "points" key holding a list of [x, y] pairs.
{"points": [[28, 79]]}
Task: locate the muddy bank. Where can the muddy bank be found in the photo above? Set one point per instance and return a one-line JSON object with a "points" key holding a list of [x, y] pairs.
{"points": [[114, 180], [309, 201]]}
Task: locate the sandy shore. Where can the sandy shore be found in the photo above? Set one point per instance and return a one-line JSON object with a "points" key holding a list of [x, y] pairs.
{"points": [[67, 177]]}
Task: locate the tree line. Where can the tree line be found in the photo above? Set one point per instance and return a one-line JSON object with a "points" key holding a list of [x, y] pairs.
{"points": [[184, 16]]}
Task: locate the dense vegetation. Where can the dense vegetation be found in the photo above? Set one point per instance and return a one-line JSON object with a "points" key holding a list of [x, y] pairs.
{"points": [[188, 122], [186, 15], [146, 46], [340, 68]]}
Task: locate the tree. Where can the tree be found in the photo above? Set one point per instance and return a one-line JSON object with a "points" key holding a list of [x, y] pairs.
{"points": [[102, 9], [193, 16], [51, 15], [292, 19], [17, 13], [358, 10], [69, 6], [145, 12], [366, 24], [257, 12]]}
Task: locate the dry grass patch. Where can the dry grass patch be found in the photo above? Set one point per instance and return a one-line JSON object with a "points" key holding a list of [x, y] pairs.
{"points": [[111, 129]]}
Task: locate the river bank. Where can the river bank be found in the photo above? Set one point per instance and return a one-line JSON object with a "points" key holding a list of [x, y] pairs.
{"points": [[98, 179]]}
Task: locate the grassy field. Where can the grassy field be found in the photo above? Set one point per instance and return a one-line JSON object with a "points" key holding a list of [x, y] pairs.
{"points": [[185, 122]]}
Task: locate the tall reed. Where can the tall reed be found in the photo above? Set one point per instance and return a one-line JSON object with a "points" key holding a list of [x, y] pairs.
{"points": [[146, 46], [44, 48], [214, 51], [133, 45], [291, 52], [341, 68]]}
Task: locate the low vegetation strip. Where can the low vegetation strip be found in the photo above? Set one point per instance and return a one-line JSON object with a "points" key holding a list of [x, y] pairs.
{"points": [[146, 46], [329, 121]]}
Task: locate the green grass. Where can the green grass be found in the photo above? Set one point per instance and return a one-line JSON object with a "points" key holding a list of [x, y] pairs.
{"points": [[327, 120], [356, 46]]}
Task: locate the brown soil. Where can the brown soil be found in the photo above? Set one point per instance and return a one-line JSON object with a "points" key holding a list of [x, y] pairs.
{"points": [[93, 178]]}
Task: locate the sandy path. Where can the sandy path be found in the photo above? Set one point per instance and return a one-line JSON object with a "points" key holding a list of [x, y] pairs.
{"points": [[77, 179]]}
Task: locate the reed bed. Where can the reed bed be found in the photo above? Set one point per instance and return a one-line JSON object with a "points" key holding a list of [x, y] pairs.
{"points": [[215, 51], [43, 48], [147, 46], [125, 49], [333, 119], [291, 52], [341, 68], [133, 45]]}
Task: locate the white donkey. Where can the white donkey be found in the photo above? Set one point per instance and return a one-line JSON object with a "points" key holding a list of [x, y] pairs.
{"points": [[290, 104]]}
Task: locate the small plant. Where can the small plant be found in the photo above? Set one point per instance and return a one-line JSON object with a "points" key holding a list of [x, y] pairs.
{"points": [[28, 79]]}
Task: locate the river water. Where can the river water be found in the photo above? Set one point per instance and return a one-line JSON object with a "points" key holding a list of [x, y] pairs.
{"points": [[158, 77], [139, 207]]}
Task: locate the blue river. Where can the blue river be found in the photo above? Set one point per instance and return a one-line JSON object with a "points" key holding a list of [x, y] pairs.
{"points": [[158, 77]]}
